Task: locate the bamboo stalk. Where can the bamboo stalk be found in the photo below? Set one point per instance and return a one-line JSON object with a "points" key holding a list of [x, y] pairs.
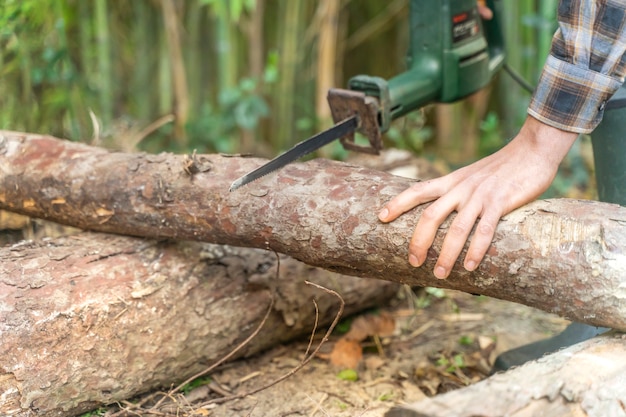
{"points": [[192, 55], [103, 48], [547, 11], [227, 65], [142, 71], [326, 56], [179, 79], [286, 92]]}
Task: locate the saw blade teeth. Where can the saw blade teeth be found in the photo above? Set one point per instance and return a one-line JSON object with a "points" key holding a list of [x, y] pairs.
{"points": [[298, 151], [245, 180]]}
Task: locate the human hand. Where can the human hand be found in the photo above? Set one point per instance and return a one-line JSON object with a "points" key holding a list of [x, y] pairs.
{"points": [[484, 11], [483, 191]]}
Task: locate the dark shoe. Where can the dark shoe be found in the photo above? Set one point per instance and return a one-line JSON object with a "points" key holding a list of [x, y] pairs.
{"points": [[574, 333]]}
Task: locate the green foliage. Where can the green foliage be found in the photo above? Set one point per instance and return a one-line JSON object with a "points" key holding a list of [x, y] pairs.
{"points": [[348, 375], [466, 340], [61, 59], [240, 107], [451, 364], [341, 405], [490, 134], [410, 132], [231, 8], [198, 382], [343, 326], [386, 396], [425, 299], [39, 79], [99, 412], [17, 15]]}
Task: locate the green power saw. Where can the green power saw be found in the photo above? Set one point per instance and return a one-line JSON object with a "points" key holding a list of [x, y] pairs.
{"points": [[452, 54]]}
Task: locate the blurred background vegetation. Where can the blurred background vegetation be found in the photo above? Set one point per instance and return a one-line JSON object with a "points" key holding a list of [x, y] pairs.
{"points": [[245, 76]]}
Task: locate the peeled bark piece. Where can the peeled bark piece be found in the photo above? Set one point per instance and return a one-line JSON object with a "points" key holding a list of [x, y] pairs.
{"points": [[588, 379], [92, 319], [562, 256]]}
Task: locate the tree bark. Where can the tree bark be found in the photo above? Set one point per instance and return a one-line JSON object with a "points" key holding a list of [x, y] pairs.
{"points": [[588, 379], [562, 256], [92, 319]]}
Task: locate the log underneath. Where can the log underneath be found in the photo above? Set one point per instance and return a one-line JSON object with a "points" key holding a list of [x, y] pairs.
{"points": [[562, 256], [93, 319], [588, 379]]}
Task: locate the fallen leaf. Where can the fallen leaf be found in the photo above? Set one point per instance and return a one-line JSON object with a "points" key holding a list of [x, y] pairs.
{"points": [[346, 353], [348, 375], [486, 343], [369, 325]]}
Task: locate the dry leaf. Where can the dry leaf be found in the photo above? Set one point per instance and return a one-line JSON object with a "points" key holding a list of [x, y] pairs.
{"points": [[346, 354], [369, 325]]}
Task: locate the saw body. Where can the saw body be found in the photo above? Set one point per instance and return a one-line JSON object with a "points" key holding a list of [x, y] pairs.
{"points": [[452, 54]]}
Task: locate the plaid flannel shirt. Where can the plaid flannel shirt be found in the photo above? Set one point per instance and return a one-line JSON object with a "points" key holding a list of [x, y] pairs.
{"points": [[586, 65]]}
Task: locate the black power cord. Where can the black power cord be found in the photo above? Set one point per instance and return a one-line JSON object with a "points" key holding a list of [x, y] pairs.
{"points": [[518, 78]]}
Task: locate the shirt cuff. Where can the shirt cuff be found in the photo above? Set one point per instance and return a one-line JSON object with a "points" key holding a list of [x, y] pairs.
{"points": [[571, 98]]}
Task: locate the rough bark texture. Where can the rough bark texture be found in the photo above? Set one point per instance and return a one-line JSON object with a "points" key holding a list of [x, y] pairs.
{"points": [[562, 256], [588, 379], [93, 318]]}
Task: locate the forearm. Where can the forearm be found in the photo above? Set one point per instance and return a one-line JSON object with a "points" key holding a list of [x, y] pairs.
{"points": [[544, 140]]}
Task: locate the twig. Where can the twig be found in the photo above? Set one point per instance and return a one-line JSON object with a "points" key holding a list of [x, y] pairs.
{"points": [[317, 316], [307, 358], [224, 358], [302, 364], [234, 351], [318, 404], [129, 407]]}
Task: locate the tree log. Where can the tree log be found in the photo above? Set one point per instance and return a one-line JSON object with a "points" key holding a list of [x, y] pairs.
{"points": [[588, 379], [562, 256], [92, 319]]}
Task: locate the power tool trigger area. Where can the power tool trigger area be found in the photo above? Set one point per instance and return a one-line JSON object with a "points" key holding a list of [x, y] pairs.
{"points": [[346, 103]]}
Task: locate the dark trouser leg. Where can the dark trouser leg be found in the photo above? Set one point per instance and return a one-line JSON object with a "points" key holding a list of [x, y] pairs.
{"points": [[609, 151]]}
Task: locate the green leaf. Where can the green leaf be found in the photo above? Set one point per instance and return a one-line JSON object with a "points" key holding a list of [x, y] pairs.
{"points": [[304, 123], [198, 382], [348, 375], [249, 111], [270, 73], [435, 292], [466, 340], [247, 84], [459, 360]]}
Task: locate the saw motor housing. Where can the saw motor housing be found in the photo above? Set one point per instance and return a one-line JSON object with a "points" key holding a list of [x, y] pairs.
{"points": [[452, 54]]}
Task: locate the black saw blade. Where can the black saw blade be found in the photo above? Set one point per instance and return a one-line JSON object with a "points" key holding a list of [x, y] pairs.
{"points": [[298, 151]]}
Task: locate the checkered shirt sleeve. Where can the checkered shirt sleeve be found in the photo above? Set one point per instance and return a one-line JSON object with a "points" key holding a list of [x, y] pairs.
{"points": [[586, 65]]}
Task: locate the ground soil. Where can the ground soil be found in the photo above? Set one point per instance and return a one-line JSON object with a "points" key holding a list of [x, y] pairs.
{"points": [[417, 360]]}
